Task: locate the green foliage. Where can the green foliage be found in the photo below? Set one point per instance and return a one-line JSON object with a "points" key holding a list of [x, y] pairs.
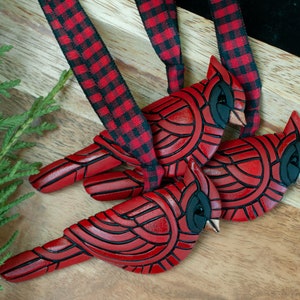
{"points": [[14, 128], [6, 85]]}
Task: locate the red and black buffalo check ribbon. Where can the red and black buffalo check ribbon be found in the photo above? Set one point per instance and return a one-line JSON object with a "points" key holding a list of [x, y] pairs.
{"points": [[107, 91], [103, 84], [159, 18], [160, 21], [237, 56]]}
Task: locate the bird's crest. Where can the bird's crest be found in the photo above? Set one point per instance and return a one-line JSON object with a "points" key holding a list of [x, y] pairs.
{"points": [[293, 124]]}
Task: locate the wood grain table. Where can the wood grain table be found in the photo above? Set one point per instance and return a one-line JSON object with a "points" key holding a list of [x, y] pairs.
{"points": [[253, 260]]}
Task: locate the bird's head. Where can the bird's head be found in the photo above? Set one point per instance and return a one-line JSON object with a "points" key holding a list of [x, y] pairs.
{"points": [[289, 151], [225, 95], [203, 204]]}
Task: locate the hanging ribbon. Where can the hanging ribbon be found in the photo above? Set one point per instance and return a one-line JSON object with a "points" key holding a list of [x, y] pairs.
{"points": [[236, 55], [160, 21], [160, 17], [106, 89], [103, 84]]}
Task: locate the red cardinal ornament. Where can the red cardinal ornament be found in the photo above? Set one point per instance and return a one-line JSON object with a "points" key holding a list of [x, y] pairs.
{"points": [[188, 123], [253, 173], [147, 234]]}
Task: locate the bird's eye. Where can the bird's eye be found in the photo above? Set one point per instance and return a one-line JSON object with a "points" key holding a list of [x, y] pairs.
{"points": [[221, 102], [295, 159], [222, 98], [198, 212], [290, 164]]}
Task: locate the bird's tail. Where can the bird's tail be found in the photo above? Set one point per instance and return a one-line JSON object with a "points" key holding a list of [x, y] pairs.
{"points": [[85, 163], [54, 255]]}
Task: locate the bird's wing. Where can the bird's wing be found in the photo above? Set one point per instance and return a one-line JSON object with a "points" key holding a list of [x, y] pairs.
{"points": [[242, 172], [141, 234]]}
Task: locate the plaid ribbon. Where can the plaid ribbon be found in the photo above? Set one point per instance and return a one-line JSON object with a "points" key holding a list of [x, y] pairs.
{"points": [[103, 84], [237, 56], [107, 91], [160, 21]]}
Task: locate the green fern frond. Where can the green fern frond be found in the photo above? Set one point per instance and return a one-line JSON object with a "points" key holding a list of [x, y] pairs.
{"points": [[40, 107], [45, 126], [19, 173], [14, 128], [5, 247], [5, 165], [13, 121], [10, 133], [4, 219], [7, 191], [4, 49], [6, 256], [6, 85], [22, 145], [4, 209]]}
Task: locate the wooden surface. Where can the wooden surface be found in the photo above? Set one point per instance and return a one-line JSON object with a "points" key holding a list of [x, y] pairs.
{"points": [[254, 260]]}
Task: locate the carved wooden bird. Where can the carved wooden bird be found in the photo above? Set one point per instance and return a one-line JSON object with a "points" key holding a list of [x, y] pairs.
{"points": [[252, 174], [147, 234], [188, 123]]}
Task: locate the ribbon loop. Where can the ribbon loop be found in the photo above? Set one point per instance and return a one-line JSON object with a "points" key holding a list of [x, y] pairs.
{"points": [[102, 82], [175, 75], [160, 21]]}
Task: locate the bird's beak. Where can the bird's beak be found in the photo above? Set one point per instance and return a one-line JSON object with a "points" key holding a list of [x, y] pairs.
{"points": [[213, 224], [238, 118]]}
